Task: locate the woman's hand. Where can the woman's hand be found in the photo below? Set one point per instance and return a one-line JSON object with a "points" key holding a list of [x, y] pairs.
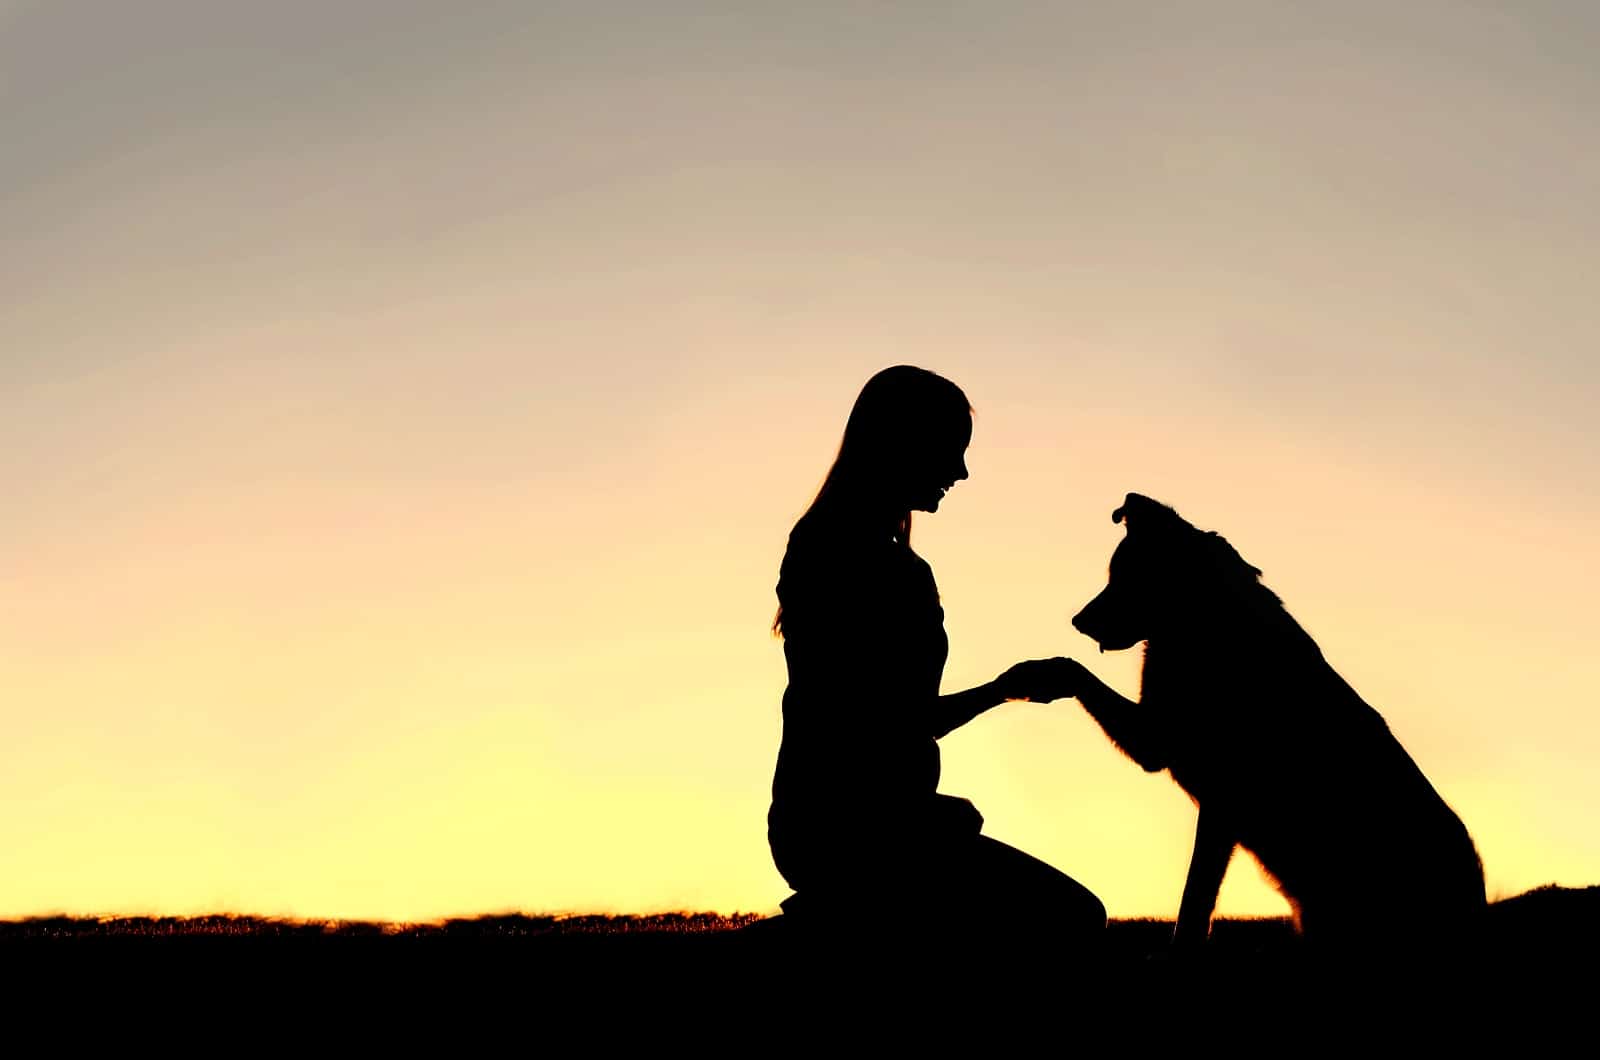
{"points": [[1042, 680], [1037, 680]]}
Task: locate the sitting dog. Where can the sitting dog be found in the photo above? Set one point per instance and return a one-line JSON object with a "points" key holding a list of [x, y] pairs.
{"points": [[1280, 755]]}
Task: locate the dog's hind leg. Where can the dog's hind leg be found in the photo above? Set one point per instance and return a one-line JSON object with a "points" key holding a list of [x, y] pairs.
{"points": [[1213, 849]]}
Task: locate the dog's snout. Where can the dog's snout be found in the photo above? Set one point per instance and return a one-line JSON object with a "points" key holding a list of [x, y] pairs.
{"points": [[1098, 620]]}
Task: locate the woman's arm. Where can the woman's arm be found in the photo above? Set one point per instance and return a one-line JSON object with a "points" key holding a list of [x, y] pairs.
{"points": [[1035, 681], [956, 709]]}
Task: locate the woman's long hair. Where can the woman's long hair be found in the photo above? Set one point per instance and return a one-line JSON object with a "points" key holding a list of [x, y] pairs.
{"points": [[897, 408]]}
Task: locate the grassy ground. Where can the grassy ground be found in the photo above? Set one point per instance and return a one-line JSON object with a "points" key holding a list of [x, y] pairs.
{"points": [[1534, 965], [1544, 928], [1546, 916]]}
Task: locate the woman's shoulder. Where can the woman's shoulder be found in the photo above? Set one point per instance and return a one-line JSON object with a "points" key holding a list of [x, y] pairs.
{"points": [[821, 553], [818, 553], [817, 540]]}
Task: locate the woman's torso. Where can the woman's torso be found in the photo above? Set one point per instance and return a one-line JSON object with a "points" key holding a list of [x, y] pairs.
{"points": [[865, 645]]}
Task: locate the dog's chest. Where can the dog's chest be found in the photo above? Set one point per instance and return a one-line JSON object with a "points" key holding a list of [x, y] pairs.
{"points": [[1208, 737]]}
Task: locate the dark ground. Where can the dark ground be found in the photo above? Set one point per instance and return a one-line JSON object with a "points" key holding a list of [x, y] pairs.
{"points": [[1538, 949], [1548, 915]]}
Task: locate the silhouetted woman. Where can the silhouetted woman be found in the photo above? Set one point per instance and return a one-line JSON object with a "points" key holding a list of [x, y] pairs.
{"points": [[856, 825]]}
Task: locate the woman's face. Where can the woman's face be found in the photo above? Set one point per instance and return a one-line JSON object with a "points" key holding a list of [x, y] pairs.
{"points": [[936, 465]]}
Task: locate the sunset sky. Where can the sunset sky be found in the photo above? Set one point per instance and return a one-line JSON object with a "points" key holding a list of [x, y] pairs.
{"points": [[403, 407]]}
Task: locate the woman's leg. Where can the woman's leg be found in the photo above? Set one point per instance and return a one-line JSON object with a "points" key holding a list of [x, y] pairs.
{"points": [[1019, 894], [975, 888]]}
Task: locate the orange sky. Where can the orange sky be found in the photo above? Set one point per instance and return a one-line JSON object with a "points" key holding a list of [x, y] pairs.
{"points": [[402, 411]]}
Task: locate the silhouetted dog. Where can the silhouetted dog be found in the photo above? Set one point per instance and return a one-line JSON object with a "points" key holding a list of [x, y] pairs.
{"points": [[1280, 754]]}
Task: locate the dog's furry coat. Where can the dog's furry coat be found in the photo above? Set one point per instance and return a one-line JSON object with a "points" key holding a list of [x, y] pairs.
{"points": [[1279, 753]]}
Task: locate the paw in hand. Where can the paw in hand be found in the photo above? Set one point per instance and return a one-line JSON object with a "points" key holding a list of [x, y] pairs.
{"points": [[1042, 680]]}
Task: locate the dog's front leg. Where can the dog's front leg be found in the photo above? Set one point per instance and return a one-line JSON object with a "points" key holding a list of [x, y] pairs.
{"points": [[1213, 848], [1133, 727]]}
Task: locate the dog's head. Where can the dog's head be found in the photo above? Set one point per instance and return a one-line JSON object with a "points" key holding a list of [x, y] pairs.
{"points": [[1164, 575]]}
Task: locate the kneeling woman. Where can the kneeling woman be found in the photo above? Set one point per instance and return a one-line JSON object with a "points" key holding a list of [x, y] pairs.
{"points": [[856, 824]]}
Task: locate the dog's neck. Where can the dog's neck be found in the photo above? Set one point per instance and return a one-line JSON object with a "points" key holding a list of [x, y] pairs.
{"points": [[1245, 625]]}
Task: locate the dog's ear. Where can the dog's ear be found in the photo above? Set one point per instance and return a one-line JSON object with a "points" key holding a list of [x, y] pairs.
{"points": [[1140, 511], [1136, 507]]}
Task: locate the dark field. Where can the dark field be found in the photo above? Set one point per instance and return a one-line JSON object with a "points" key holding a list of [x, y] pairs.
{"points": [[1533, 965], [1537, 912], [1548, 923], [683, 934], [486, 927]]}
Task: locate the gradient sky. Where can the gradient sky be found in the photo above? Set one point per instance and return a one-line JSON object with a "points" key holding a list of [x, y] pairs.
{"points": [[403, 407]]}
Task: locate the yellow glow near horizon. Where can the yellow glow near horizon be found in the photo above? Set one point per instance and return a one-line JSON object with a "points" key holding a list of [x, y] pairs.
{"points": [[401, 419]]}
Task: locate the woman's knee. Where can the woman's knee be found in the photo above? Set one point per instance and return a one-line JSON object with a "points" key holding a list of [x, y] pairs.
{"points": [[1036, 890]]}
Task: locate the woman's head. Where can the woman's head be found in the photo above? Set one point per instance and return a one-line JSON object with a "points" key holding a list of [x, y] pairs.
{"points": [[904, 445], [905, 440]]}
